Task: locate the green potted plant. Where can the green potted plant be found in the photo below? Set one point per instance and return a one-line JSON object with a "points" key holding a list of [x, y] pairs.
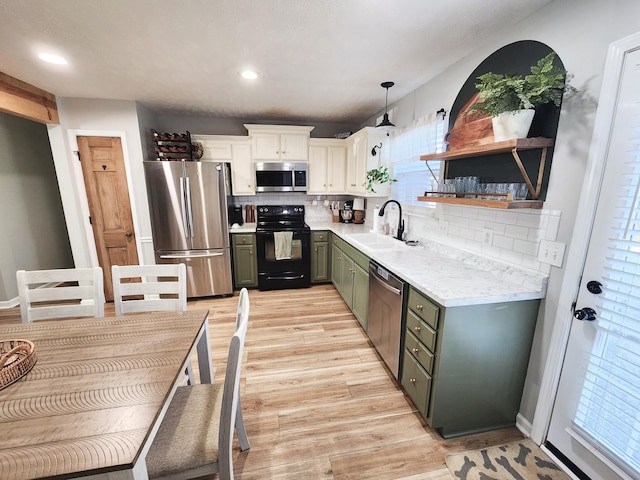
{"points": [[513, 98], [378, 176]]}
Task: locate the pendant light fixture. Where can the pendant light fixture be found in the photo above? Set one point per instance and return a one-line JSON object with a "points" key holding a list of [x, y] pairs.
{"points": [[385, 123]]}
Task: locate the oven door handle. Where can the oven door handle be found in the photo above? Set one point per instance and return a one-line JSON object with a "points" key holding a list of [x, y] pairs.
{"points": [[285, 277], [384, 284]]}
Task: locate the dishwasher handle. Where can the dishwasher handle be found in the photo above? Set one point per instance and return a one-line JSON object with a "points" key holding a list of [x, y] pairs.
{"points": [[384, 284]]}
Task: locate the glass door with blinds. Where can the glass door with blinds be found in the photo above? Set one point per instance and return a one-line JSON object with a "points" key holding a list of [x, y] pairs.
{"points": [[596, 416]]}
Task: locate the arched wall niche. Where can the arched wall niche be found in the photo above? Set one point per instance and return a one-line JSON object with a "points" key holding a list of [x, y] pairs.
{"points": [[515, 58]]}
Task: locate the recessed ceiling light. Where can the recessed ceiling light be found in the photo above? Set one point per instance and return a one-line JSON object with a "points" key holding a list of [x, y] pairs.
{"points": [[51, 58], [249, 74]]}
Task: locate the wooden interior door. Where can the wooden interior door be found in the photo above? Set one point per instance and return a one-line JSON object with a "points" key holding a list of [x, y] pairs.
{"points": [[105, 180]]}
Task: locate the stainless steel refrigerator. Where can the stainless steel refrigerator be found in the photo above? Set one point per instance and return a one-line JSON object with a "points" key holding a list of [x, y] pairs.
{"points": [[188, 206]]}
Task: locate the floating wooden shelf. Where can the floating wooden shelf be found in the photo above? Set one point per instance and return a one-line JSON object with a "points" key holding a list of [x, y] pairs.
{"points": [[491, 149], [481, 202], [503, 147]]}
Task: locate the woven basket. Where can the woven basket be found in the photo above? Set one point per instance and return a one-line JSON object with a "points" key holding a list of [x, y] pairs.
{"points": [[17, 358]]}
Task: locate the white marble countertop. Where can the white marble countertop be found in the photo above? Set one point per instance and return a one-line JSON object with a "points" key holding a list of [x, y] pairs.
{"points": [[449, 276]]}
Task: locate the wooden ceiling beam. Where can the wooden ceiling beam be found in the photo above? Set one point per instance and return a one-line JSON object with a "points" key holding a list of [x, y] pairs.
{"points": [[24, 100]]}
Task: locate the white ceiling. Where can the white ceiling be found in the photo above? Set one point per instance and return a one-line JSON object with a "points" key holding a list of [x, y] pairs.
{"points": [[319, 60]]}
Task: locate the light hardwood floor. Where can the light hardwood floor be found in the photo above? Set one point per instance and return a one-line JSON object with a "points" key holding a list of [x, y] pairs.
{"points": [[318, 401]]}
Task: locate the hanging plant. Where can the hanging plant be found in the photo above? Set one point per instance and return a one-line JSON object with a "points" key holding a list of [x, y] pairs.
{"points": [[378, 175]]}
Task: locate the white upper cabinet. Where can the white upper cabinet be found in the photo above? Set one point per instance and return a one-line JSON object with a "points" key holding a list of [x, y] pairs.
{"points": [[327, 162], [235, 150], [243, 177], [279, 142], [360, 158]]}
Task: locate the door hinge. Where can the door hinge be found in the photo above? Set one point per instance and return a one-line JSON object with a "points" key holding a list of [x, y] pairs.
{"points": [[90, 222], [77, 153]]}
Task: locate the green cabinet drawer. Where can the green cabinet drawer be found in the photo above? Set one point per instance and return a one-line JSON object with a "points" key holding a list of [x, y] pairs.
{"points": [[423, 308], [416, 382], [421, 330], [322, 236], [422, 354], [243, 239]]}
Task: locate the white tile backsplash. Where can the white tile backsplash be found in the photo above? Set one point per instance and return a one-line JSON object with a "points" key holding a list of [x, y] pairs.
{"points": [[516, 233]]}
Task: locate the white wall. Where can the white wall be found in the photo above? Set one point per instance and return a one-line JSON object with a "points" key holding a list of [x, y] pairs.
{"points": [[98, 118], [580, 32]]}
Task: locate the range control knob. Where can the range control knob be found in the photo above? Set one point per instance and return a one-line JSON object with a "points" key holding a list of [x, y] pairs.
{"points": [[586, 313]]}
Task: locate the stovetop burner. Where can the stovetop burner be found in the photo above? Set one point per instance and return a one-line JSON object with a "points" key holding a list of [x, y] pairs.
{"points": [[277, 217]]}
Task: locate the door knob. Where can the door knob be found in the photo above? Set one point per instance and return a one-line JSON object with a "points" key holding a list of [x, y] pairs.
{"points": [[594, 287], [586, 313], [127, 234]]}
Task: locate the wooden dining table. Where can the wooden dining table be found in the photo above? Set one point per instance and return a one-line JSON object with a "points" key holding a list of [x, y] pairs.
{"points": [[94, 400]]}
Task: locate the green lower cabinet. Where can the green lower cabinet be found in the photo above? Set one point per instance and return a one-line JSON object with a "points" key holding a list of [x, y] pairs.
{"points": [[464, 367], [416, 382], [348, 272], [336, 266], [245, 263], [350, 276], [360, 303], [320, 257]]}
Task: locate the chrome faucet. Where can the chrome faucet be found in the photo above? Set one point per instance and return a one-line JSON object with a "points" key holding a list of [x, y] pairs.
{"points": [[400, 230]]}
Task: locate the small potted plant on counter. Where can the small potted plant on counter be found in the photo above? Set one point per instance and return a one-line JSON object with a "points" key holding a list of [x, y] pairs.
{"points": [[377, 177], [510, 100]]}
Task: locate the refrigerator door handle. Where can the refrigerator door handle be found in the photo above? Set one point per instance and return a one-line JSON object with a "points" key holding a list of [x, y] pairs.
{"points": [[192, 255], [185, 222], [188, 206]]}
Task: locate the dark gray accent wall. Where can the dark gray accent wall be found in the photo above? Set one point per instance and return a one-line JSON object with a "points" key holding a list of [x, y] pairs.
{"points": [[33, 234]]}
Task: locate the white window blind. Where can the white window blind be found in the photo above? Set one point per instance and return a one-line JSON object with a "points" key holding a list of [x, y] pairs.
{"points": [[422, 137], [608, 412]]}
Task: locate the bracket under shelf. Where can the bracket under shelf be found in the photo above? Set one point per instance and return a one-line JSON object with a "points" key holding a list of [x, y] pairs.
{"points": [[502, 147]]}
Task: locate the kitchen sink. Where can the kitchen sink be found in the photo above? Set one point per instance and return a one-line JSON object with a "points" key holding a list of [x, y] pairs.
{"points": [[376, 241]]}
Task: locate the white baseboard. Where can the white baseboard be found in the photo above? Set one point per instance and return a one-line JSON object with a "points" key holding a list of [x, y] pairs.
{"points": [[12, 302], [523, 425]]}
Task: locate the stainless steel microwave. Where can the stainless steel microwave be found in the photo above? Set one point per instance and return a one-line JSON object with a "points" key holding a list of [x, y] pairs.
{"points": [[281, 177]]}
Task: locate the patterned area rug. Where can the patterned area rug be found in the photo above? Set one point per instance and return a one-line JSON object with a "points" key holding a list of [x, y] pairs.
{"points": [[521, 460]]}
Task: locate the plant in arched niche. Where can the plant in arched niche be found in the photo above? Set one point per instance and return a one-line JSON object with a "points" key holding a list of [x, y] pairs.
{"points": [[501, 93]]}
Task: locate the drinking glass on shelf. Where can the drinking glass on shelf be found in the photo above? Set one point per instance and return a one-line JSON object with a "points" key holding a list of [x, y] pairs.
{"points": [[502, 189], [459, 186], [490, 190], [449, 187], [471, 185], [512, 190], [522, 192]]}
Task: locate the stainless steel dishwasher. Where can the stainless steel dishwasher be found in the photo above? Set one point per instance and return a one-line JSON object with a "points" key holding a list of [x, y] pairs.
{"points": [[387, 294]]}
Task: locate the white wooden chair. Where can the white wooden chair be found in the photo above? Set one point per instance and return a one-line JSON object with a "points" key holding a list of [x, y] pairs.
{"points": [[148, 288], [196, 435], [60, 293]]}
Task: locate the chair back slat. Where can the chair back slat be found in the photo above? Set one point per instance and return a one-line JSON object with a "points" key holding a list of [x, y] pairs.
{"points": [[152, 305], [60, 293], [147, 288]]}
